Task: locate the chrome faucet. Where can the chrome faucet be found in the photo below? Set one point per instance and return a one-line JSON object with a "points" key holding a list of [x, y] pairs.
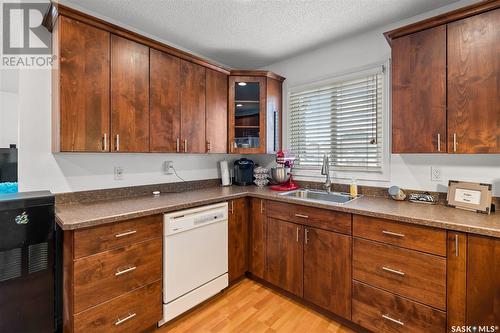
{"points": [[325, 171]]}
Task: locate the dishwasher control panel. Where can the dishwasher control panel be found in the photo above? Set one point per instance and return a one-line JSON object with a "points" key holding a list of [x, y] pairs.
{"points": [[194, 218]]}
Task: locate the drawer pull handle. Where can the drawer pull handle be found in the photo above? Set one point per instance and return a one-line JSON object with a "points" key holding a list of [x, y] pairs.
{"points": [[121, 321], [390, 233], [130, 269], [126, 233], [393, 271], [399, 322], [302, 216]]}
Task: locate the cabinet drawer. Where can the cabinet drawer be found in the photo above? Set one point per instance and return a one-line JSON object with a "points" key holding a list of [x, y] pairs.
{"points": [[314, 217], [111, 236], [380, 311], [401, 234], [106, 275], [132, 312], [418, 276]]}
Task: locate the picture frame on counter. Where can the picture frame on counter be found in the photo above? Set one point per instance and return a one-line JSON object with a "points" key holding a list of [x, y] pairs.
{"points": [[474, 197]]}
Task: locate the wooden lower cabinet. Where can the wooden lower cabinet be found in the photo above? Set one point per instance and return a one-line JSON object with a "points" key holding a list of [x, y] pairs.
{"points": [[483, 281], [132, 312], [257, 237], [381, 311], [238, 239], [285, 255], [327, 270], [114, 285]]}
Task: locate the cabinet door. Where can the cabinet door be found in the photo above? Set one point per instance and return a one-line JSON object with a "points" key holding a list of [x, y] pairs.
{"points": [[285, 255], [129, 95], [238, 239], [165, 109], [192, 108], [257, 260], [456, 279], [273, 119], [216, 112], [474, 84], [83, 87], [327, 270], [247, 114], [419, 92], [483, 281]]}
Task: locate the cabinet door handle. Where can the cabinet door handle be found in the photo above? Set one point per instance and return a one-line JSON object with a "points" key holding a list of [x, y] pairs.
{"points": [[130, 269], [177, 145], [393, 271], [306, 235], [390, 233], [399, 322], [302, 216], [456, 246], [439, 142], [185, 145], [297, 235], [126, 233], [454, 142], [105, 142], [209, 146], [117, 146], [121, 321], [261, 206]]}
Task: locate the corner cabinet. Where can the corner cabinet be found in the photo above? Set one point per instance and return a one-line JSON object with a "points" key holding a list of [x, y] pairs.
{"points": [[255, 99], [445, 74]]}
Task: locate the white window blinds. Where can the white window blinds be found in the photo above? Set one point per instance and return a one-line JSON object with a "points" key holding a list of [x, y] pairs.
{"points": [[341, 119]]}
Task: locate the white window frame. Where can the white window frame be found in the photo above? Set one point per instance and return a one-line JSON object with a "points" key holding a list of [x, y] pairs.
{"points": [[384, 173]]}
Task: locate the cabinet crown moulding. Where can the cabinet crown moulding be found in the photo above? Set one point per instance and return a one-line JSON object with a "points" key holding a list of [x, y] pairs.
{"points": [[55, 10], [458, 14]]}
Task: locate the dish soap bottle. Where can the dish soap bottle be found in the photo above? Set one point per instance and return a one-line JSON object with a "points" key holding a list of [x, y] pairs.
{"points": [[353, 188]]}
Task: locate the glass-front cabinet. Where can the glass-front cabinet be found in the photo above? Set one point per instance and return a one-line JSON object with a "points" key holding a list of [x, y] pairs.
{"points": [[254, 112]]}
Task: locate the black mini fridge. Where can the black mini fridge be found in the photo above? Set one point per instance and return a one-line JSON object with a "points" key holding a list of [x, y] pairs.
{"points": [[30, 273]]}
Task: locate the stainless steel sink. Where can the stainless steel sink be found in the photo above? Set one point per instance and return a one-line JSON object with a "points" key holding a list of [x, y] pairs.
{"points": [[323, 196]]}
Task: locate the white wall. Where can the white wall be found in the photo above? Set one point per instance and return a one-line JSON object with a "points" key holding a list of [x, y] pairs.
{"points": [[408, 171], [8, 107]]}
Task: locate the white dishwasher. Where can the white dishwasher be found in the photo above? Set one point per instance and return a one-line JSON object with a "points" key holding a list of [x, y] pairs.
{"points": [[195, 263]]}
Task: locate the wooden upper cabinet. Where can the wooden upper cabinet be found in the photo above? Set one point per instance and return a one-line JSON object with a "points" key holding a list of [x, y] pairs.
{"points": [[327, 270], [419, 92], [81, 90], [285, 255], [474, 84], [165, 107], [192, 108], [254, 112], [216, 111], [483, 281], [129, 95]]}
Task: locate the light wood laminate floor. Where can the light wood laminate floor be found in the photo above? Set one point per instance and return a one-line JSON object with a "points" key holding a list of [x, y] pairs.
{"points": [[249, 307]]}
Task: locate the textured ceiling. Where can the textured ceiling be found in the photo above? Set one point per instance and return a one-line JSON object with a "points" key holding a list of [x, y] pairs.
{"points": [[254, 33]]}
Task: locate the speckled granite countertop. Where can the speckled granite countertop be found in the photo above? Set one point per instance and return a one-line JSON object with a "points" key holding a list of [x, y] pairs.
{"points": [[80, 215]]}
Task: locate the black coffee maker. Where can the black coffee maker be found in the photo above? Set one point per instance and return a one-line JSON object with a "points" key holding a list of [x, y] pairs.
{"points": [[243, 172]]}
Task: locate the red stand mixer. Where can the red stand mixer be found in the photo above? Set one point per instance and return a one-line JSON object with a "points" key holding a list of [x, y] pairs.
{"points": [[283, 173]]}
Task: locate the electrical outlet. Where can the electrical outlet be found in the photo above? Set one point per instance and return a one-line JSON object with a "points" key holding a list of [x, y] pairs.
{"points": [[168, 167], [118, 173], [435, 174]]}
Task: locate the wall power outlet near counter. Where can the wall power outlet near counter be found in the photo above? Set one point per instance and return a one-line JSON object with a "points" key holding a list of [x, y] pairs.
{"points": [[168, 167], [436, 174]]}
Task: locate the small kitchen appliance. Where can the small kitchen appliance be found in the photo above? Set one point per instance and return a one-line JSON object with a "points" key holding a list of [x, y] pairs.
{"points": [[243, 172], [282, 174]]}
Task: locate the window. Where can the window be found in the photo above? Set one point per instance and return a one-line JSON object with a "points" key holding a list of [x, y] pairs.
{"points": [[344, 119]]}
